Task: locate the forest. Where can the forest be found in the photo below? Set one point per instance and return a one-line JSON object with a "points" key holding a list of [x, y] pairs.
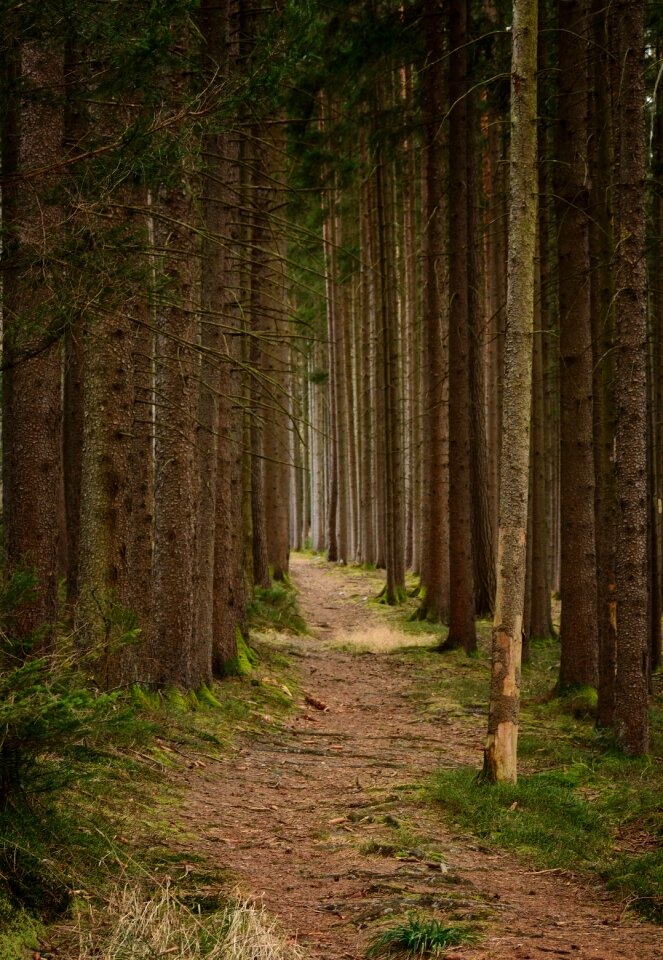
{"points": [[305, 301]]}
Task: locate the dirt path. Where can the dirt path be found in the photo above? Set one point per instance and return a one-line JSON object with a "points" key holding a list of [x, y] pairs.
{"points": [[311, 817]]}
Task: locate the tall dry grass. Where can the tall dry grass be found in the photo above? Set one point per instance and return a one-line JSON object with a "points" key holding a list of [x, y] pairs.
{"points": [[135, 927]]}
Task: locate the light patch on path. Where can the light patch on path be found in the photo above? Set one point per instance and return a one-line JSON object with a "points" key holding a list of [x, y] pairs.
{"points": [[380, 638]]}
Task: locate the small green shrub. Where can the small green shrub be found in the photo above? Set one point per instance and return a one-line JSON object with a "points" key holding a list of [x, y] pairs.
{"points": [[58, 735], [52, 716], [276, 608], [417, 936]]}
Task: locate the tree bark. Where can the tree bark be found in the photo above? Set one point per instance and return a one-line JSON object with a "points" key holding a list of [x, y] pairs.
{"points": [[175, 490], [32, 139], [579, 657], [462, 632], [631, 717], [435, 568], [603, 336], [500, 755]]}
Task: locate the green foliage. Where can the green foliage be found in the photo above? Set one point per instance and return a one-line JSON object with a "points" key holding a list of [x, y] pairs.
{"points": [[540, 815], [276, 608], [318, 376], [242, 664], [417, 936], [19, 931], [52, 718], [59, 737]]}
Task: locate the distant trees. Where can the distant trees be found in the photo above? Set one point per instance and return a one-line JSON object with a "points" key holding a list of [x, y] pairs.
{"points": [[456, 125]]}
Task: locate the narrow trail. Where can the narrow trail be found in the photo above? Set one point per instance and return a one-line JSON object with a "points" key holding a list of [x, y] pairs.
{"points": [[306, 817]]}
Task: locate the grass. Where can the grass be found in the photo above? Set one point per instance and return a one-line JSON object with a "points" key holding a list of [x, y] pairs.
{"points": [[382, 638], [417, 937], [579, 804], [19, 931], [103, 812], [276, 609], [159, 924]]}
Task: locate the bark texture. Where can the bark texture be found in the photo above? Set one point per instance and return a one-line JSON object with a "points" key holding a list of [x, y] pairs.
{"points": [[175, 493], [631, 717], [462, 632], [33, 494], [579, 659], [500, 755], [435, 567]]}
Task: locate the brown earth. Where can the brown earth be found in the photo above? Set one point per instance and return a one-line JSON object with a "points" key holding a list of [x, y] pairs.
{"points": [[312, 818]]}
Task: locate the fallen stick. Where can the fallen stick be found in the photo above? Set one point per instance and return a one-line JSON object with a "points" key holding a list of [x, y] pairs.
{"points": [[314, 702]]}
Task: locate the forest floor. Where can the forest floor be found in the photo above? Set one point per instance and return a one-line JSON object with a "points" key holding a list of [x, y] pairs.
{"points": [[324, 820]]}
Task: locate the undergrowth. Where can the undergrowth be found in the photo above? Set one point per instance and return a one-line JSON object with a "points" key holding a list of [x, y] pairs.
{"points": [[82, 793], [276, 608], [158, 924], [579, 804]]}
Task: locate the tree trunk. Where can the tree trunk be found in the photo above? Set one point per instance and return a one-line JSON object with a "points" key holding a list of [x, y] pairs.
{"points": [[32, 138], [462, 632], [103, 576], [656, 284], [500, 755], [435, 569], [579, 657], [219, 543], [389, 361], [275, 349], [603, 336], [175, 489], [631, 718], [482, 525]]}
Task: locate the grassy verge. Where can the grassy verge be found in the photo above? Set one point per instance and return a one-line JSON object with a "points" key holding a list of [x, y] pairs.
{"points": [[579, 804], [94, 811]]}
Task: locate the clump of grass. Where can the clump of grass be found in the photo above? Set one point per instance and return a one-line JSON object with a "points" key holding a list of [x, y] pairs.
{"points": [[276, 608], [19, 931], [242, 664], [417, 936], [162, 926], [580, 701]]}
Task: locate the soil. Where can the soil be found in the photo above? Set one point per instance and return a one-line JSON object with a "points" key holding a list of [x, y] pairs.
{"points": [[311, 818]]}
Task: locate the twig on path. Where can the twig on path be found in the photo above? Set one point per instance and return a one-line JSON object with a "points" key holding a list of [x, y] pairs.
{"points": [[314, 702]]}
